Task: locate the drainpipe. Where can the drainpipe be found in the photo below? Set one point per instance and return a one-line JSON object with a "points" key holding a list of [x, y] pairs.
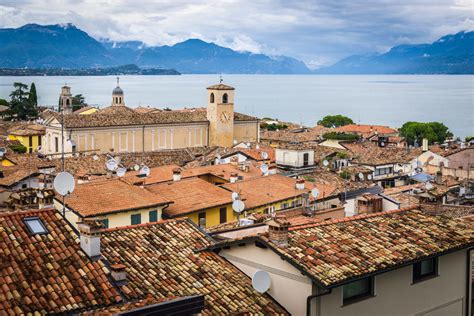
{"points": [[309, 298], [143, 139]]}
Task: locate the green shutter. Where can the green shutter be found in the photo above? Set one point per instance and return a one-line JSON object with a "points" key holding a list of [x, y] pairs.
{"points": [[153, 216], [136, 219]]}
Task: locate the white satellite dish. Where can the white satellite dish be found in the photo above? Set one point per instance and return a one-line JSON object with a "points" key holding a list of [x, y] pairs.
{"points": [[369, 177], [64, 183], [136, 167], [325, 162], [315, 193], [95, 157], [361, 176], [382, 144], [111, 164], [238, 206], [264, 155], [235, 196], [261, 281], [121, 172], [428, 186], [145, 171], [264, 168]]}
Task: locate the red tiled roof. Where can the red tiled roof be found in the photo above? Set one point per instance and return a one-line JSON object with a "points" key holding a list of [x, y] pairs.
{"points": [[366, 130], [190, 195], [48, 273], [110, 196], [160, 259], [337, 251]]}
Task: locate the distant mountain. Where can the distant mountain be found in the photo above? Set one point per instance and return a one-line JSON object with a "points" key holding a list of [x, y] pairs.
{"points": [[451, 54], [53, 46]]}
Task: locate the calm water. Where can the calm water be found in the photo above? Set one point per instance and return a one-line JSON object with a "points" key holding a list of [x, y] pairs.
{"points": [[373, 99]]}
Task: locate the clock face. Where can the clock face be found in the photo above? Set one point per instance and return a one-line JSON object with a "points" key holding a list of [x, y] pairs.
{"points": [[225, 117]]}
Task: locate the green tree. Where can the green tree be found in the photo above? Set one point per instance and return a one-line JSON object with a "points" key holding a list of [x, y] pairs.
{"points": [[414, 132], [33, 98], [4, 102], [335, 121], [340, 136], [20, 105]]}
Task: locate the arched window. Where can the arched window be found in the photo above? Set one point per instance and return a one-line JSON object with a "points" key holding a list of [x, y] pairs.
{"points": [[120, 99], [225, 98], [211, 98], [67, 102]]}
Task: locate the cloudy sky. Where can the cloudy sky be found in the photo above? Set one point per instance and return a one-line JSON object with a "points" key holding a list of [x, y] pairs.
{"points": [[318, 32]]}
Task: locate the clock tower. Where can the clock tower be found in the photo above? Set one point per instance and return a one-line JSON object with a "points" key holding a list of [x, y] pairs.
{"points": [[220, 114]]}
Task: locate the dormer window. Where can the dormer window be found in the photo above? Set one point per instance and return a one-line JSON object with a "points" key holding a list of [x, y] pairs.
{"points": [[35, 225], [225, 98]]}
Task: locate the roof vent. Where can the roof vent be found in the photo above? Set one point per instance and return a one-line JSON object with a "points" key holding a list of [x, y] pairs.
{"points": [[176, 174]]}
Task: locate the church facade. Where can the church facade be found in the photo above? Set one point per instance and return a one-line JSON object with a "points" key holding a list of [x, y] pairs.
{"points": [[119, 128]]}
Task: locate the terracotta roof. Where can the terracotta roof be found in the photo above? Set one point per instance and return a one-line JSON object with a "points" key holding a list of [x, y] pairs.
{"points": [[146, 109], [338, 251], [366, 130], [369, 153], [403, 188], [405, 199], [273, 188], [190, 195], [123, 116], [14, 174], [48, 273], [27, 129], [452, 211], [160, 260], [327, 177], [110, 196], [253, 153], [291, 135], [220, 86]]}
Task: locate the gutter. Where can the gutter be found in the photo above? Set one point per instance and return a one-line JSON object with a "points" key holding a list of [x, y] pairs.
{"points": [[309, 298]]}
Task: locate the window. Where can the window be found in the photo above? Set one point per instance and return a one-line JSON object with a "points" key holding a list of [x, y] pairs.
{"points": [[358, 290], [30, 141], [202, 219], [105, 222], [35, 225], [40, 140], [153, 216], [24, 186], [211, 98], [305, 159], [425, 269], [136, 219], [225, 98], [222, 215], [56, 144], [67, 102]]}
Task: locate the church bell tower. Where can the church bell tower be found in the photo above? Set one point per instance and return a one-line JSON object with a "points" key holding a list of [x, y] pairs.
{"points": [[65, 100], [220, 114], [117, 95]]}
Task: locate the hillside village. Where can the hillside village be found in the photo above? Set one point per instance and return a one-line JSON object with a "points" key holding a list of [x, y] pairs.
{"points": [[182, 211]]}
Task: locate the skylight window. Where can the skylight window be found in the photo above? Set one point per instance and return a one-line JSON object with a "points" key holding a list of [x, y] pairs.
{"points": [[35, 225]]}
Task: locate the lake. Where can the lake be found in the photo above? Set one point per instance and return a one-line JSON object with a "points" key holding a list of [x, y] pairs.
{"points": [[367, 99]]}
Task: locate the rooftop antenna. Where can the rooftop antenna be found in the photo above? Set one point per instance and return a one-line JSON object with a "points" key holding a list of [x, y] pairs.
{"points": [[220, 78], [118, 81]]}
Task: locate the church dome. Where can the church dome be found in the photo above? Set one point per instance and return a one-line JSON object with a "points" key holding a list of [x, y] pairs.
{"points": [[118, 91]]}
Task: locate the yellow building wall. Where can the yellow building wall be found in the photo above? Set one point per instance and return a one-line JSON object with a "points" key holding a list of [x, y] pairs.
{"points": [[245, 131], [212, 215], [115, 219], [7, 163], [277, 205], [25, 141]]}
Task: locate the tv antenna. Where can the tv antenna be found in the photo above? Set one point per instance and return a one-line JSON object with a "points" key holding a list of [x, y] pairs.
{"points": [[220, 78], [261, 281]]}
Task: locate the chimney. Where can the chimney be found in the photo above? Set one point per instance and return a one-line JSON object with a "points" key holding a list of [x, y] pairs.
{"points": [[234, 177], [272, 169], [118, 272], [176, 174], [425, 144], [439, 177], [278, 232], [89, 230], [299, 184]]}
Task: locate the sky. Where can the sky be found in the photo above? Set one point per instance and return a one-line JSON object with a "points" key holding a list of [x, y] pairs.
{"points": [[318, 32]]}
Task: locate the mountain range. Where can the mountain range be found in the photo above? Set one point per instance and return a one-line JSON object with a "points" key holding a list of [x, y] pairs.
{"points": [[451, 54], [66, 46]]}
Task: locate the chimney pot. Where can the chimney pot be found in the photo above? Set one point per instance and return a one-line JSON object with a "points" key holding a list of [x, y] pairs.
{"points": [[118, 272], [299, 184], [89, 230], [176, 174], [233, 177], [278, 232]]}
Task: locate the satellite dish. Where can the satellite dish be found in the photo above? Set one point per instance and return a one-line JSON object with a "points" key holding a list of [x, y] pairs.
{"points": [[136, 167], [39, 148], [121, 172], [111, 164], [361, 176], [369, 177], [235, 196], [264, 155], [428, 186], [64, 183], [264, 168], [382, 144], [315, 193], [238, 206], [261, 281], [145, 171], [95, 157], [418, 170], [325, 162]]}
